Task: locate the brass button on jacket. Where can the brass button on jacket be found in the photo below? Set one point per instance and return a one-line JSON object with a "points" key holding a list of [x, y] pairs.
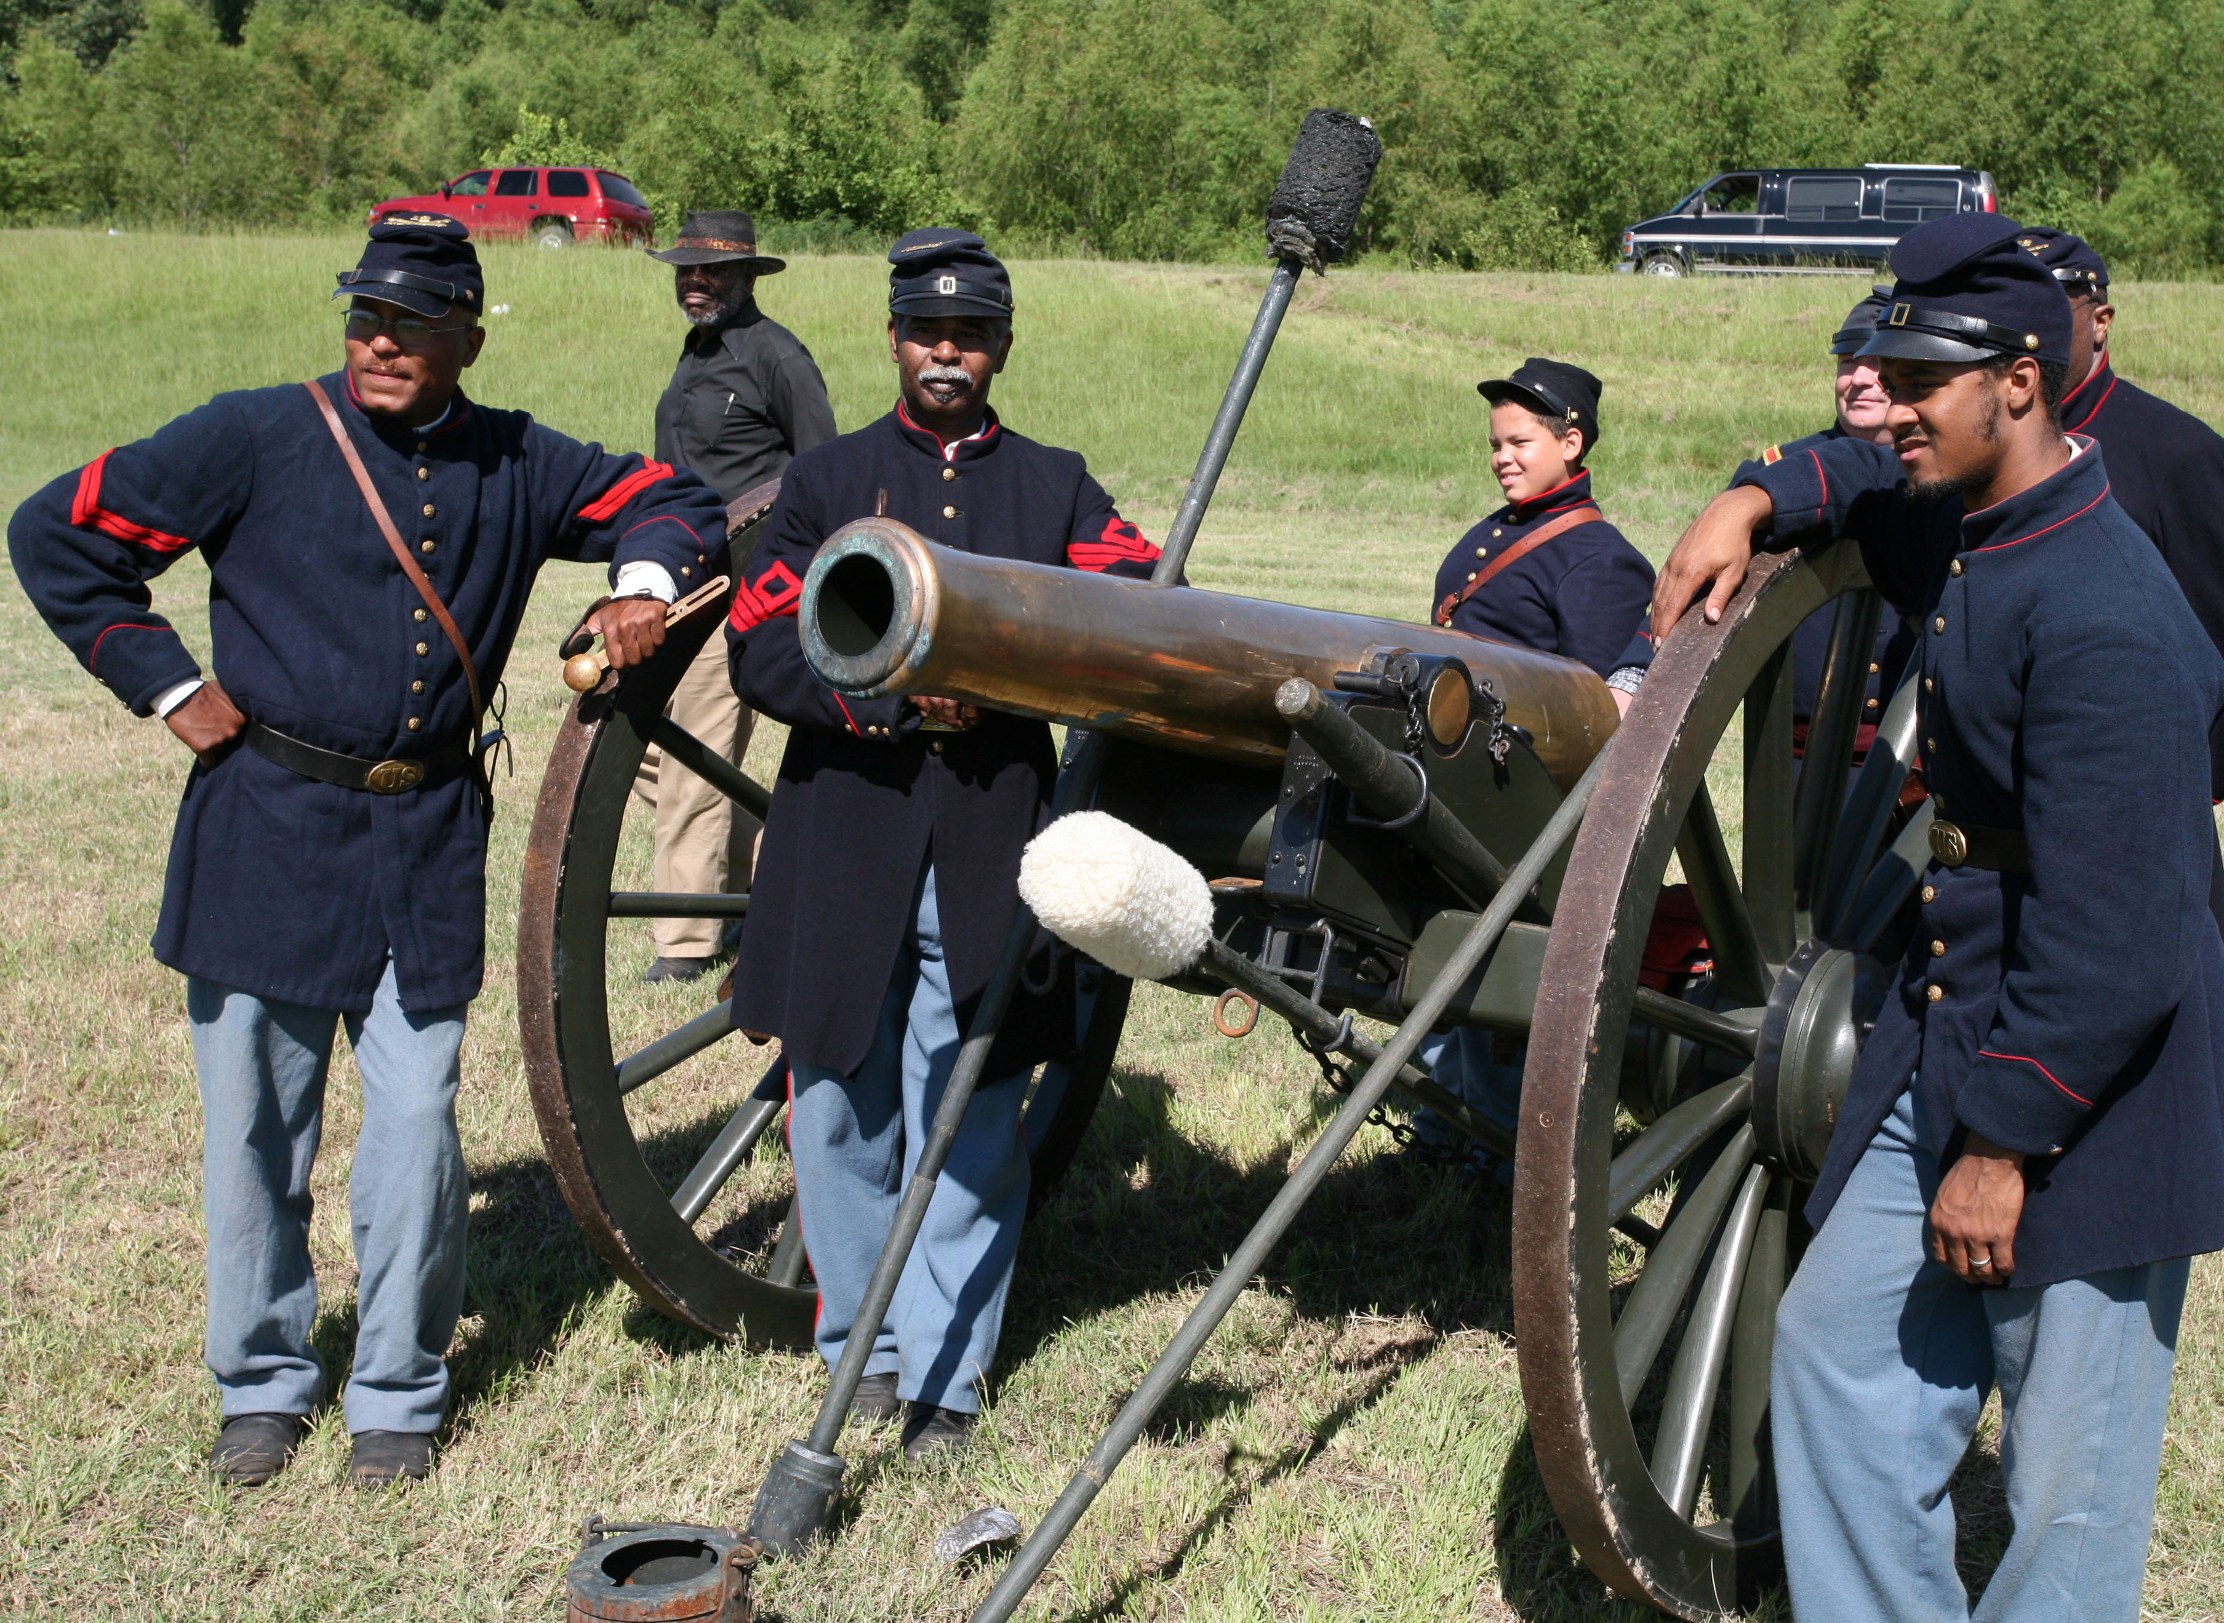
{"points": [[1954, 567], [430, 510], [1935, 992], [418, 615], [1939, 624], [424, 473], [949, 512], [1930, 893], [427, 546], [949, 474], [416, 724], [1938, 949], [424, 648]]}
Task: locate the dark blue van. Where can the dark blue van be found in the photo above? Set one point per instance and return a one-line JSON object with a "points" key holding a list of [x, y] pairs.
{"points": [[1779, 220]]}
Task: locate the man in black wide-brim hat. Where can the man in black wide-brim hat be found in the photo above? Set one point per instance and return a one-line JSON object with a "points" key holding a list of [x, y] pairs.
{"points": [[745, 400]]}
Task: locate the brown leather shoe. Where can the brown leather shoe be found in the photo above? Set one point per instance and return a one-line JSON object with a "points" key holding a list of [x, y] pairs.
{"points": [[383, 1458], [253, 1448]]}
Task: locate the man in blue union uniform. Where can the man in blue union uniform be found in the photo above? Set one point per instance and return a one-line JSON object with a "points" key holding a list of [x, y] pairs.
{"points": [[2027, 1154], [329, 862], [889, 877]]}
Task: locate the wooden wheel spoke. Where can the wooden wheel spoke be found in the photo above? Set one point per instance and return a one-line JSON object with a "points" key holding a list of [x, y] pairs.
{"points": [[1889, 884], [1680, 1445], [1769, 782], [1868, 812], [1749, 1502], [678, 744], [727, 1151], [678, 904], [1671, 1140], [786, 1267], [1828, 760], [674, 1047], [1739, 972], [1673, 1266]]}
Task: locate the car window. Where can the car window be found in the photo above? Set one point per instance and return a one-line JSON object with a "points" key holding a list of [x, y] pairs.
{"points": [[620, 190], [1815, 198], [515, 183], [1911, 201], [1732, 194], [566, 183], [472, 185]]}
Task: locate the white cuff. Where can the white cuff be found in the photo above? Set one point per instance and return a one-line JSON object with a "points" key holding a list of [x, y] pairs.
{"points": [[645, 575], [170, 698], [1628, 678]]}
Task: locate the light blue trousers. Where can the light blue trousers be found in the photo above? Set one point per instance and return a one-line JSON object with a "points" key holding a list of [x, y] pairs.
{"points": [[1462, 1063], [856, 1140], [1883, 1364], [262, 1066]]}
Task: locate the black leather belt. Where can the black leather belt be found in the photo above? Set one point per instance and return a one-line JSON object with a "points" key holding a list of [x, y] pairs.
{"points": [[391, 777], [1965, 845]]}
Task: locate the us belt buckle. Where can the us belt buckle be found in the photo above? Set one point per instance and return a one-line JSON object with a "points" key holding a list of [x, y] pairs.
{"points": [[394, 777], [1949, 844]]}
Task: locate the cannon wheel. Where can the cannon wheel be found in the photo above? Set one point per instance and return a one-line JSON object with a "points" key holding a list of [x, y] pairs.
{"points": [[1651, 1253], [651, 1235]]}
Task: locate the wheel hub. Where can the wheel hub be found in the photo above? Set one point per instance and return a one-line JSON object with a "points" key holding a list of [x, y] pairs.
{"points": [[1819, 1013]]}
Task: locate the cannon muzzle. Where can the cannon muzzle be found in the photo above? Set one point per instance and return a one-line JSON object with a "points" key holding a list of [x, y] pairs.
{"points": [[886, 611]]}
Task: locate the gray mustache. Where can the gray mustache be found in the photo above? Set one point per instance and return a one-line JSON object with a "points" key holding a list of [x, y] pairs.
{"points": [[945, 374]]}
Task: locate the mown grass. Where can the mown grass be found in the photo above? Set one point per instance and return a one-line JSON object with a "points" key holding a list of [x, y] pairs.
{"points": [[1350, 1446]]}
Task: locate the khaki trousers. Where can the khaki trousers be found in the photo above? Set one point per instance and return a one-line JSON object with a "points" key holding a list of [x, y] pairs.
{"points": [[704, 842]]}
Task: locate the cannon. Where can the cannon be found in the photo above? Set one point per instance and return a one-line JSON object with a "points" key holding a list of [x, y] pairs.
{"points": [[1397, 827]]}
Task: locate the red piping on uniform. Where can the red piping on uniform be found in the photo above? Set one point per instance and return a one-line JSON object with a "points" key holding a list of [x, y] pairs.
{"points": [[979, 436], [93, 659], [2102, 401], [1541, 496], [87, 513], [2056, 525], [1824, 500], [2024, 1059], [612, 500], [846, 716]]}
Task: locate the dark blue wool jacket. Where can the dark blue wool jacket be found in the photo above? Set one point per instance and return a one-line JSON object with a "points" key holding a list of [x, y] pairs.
{"points": [[1583, 594], [2075, 1011], [1895, 638], [865, 799], [2166, 469], [278, 884]]}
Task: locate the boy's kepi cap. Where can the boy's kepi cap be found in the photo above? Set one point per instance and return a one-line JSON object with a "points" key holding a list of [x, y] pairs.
{"points": [[422, 262], [1971, 287], [1551, 389], [947, 273]]}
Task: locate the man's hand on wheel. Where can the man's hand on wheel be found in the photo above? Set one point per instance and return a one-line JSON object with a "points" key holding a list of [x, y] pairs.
{"points": [[1711, 557], [632, 629], [208, 722]]}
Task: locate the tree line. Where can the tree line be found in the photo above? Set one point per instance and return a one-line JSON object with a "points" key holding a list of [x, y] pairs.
{"points": [[1518, 135]]}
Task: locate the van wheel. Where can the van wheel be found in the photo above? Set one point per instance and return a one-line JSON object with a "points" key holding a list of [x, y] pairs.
{"points": [[552, 234], [1664, 265]]}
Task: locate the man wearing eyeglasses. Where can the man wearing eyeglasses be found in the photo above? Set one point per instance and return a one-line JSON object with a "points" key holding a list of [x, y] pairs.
{"points": [[370, 540]]}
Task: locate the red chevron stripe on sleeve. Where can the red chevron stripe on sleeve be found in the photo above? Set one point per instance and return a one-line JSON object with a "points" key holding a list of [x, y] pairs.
{"points": [[86, 513], [612, 500], [1121, 542], [774, 593]]}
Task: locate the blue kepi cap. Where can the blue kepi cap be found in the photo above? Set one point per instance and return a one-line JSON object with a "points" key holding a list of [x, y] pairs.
{"points": [[422, 262], [947, 273], [2073, 260], [1972, 287]]}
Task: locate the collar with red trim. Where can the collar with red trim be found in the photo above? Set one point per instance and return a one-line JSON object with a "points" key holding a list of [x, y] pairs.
{"points": [[1572, 492], [976, 444], [2082, 404], [2047, 508]]}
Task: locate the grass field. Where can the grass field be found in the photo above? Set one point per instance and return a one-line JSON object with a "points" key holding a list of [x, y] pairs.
{"points": [[1350, 1447]]}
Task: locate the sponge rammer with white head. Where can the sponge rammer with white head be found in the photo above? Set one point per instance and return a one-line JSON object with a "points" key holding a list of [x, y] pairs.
{"points": [[1113, 892]]}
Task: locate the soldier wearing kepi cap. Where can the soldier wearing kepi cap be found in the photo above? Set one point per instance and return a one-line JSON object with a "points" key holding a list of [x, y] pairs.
{"points": [[1860, 412], [370, 541], [1546, 571], [890, 870], [2026, 1156], [2165, 466]]}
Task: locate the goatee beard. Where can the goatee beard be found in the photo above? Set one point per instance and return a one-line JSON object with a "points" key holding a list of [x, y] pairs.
{"points": [[720, 311]]}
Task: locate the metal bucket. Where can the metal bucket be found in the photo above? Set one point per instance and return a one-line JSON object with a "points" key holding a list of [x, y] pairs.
{"points": [[660, 1572]]}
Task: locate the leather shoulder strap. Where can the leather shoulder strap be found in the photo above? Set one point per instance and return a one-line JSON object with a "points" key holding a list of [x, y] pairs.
{"points": [[1513, 554], [393, 536]]}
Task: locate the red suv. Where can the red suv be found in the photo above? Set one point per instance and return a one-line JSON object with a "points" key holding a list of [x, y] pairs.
{"points": [[551, 207]]}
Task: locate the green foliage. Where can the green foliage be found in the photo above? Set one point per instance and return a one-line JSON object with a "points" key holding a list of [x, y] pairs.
{"points": [[1517, 135]]}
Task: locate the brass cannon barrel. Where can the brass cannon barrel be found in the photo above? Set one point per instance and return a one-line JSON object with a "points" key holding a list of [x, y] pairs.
{"points": [[886, 611]]}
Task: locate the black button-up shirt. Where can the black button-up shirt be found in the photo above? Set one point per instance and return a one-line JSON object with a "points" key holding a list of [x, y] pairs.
{"points": [[745, 400]]}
